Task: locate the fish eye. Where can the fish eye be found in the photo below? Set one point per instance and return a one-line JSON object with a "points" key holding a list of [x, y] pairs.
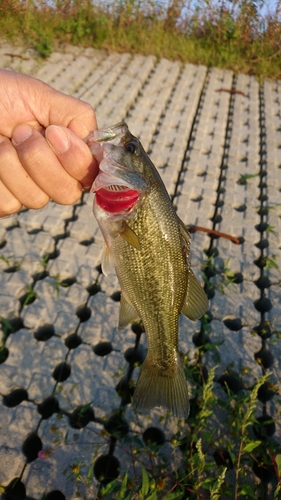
{"points": [[131, 147]]}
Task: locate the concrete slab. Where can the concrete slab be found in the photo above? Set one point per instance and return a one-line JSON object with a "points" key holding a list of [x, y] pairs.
{"points": [[219, 155]]}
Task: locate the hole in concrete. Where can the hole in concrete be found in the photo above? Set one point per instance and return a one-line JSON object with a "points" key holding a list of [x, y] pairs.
{"points": [[197, 198], [28, 298], [222, 457], [81, 416], [31, 446], [263, 330], [15, 490], [68, 282], [263, 211], [12, 269], [125, 390], [261, 227], [264, 472], [263, 305], [87, 243], [116, 296], [216, 219], [262, 244], [265, 427], [135, 356], [48, 407], [117, 426], [54, 495], [93, 289], [83, 313], [232, 323], [219, 204], [211, 252], [237, 278], [98, 268], [240, 208], [40, 276], [15, 398], [266, 392], [54, 255], [138, 328], [263, 282], [264, 357], [4, 353], [106, 468], [44, 333], [233, 382], [260, 262], [61, 372], [73, 341], [200, 339], [13, 325], [103, 348], [153, 435], [210, 292]]}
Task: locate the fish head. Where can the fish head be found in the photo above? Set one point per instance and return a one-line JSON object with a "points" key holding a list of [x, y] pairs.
{"points": [[120, 184]]}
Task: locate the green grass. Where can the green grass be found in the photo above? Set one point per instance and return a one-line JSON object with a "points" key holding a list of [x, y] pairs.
{"points": [[234, 37]]}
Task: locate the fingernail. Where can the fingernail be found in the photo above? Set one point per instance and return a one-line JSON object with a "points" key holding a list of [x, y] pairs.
{"points": [[20, 134], [57, 139]]}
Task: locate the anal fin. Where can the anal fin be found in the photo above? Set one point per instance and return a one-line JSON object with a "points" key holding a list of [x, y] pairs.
{"points": [[196, 302], [127, 314]]}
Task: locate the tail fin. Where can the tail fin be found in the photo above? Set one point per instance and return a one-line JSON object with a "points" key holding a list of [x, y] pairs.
{"points": [[160, 388]]}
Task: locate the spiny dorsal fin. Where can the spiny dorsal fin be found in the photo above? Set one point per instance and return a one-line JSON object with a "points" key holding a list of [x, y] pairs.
{"points": [[196, 302], [127, 314], [107, 263], [130, 236]]}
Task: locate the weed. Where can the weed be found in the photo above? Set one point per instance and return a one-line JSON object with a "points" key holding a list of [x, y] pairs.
{"points": [[57, 283], [227, 34]]}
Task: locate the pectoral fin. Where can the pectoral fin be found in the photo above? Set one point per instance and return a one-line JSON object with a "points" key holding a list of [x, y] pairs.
{"points": [[127, 314], [196, 302], [130, 236], [107, 264]]}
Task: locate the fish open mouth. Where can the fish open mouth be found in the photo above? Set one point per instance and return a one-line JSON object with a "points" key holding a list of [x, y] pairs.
{"points": [[116, 198]]}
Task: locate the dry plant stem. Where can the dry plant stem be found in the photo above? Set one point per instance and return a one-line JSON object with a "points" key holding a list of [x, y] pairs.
{"points": [[232, 91], [235, 240]]}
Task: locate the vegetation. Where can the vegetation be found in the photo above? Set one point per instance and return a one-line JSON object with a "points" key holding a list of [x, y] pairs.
{"points": [[231, 34]]}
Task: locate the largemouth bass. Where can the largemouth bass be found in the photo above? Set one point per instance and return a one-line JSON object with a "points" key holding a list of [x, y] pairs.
{"points": [[147, 245]]}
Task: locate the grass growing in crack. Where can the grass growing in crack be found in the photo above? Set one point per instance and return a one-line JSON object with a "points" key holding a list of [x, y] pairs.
{"points": [[229, 34], [213, 459]]}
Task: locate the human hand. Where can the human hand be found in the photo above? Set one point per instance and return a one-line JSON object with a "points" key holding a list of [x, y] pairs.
{"points": [[42, 154]]}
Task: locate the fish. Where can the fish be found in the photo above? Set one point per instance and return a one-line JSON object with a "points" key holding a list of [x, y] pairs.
{"points": [[147, 245]]}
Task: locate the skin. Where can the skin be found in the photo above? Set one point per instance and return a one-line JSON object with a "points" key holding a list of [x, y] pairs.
{"points": [[42, 152]]}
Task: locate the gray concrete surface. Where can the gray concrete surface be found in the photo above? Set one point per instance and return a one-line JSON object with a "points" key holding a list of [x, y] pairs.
{"points": [[203, 139]]}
